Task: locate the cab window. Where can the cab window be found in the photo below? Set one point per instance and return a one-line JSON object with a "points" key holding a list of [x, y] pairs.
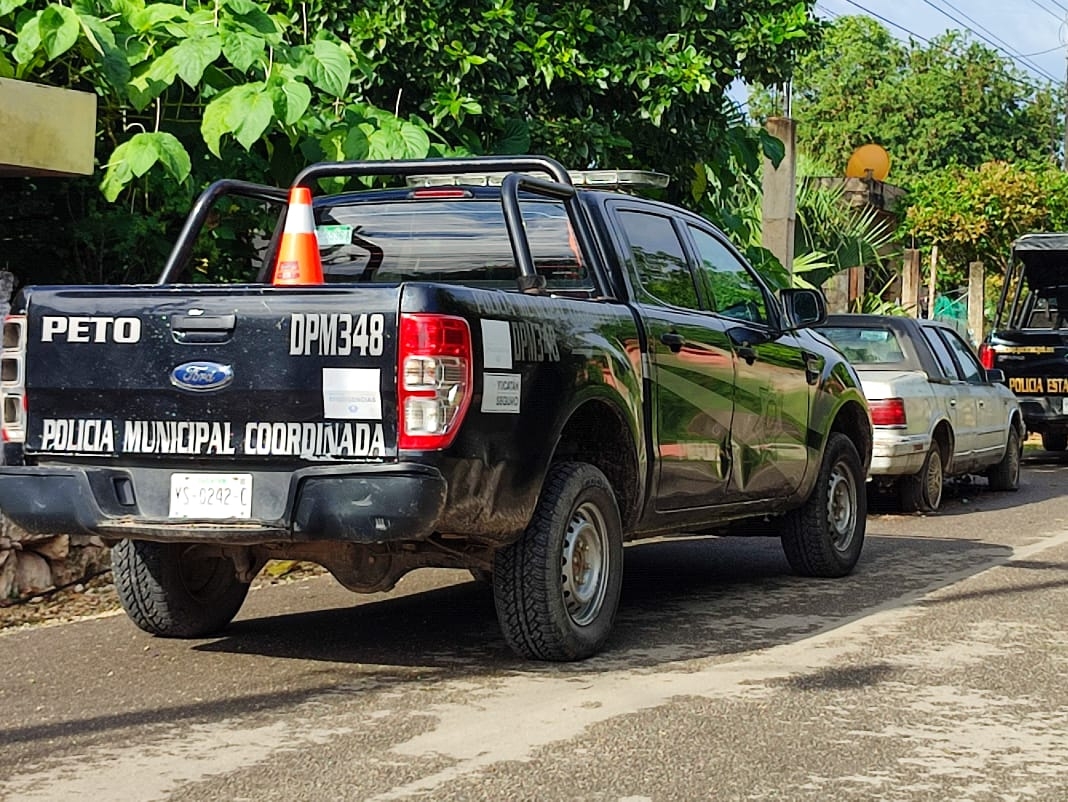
{"points": [[733, 290], [659, 258]]}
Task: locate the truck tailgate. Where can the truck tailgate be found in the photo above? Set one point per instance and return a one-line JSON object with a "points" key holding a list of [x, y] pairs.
{"points": [[206, 374]]}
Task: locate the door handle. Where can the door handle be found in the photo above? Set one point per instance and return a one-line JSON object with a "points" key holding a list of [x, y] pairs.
{"points": [[673, 341], [202, 328]]}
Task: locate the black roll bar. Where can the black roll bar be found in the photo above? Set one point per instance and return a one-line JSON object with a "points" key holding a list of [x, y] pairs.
{"points": [[183, 246]]}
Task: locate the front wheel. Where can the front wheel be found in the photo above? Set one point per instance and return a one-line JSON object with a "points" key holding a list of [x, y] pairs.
{"points": [[556, 589], [1006, 474], [825, 535], [176, 590], [922, 491]]}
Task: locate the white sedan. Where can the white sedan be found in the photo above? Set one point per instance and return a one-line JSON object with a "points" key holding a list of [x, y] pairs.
{"points": [[935, 409]]}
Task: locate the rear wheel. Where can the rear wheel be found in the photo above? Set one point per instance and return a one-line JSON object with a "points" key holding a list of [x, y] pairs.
{"points": [[1054, 441], [176, 590], [922, 491], [556, 589], [824, 537], [1006, 474]]}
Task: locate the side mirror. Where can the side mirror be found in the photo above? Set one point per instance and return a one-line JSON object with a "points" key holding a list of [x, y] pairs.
{"points": [[995, 376], [803, 308]]}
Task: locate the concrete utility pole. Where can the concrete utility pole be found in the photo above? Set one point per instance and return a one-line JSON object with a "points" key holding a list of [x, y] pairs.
{"points": [[780, 195]]}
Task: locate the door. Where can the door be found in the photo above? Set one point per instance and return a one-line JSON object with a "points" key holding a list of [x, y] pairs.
{"points": [[691, 365], [954, 397], [991, 420], [775, 378]]}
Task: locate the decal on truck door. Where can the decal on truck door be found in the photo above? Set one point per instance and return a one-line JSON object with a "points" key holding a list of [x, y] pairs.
{"points": [[336, 334], [352, 393]]}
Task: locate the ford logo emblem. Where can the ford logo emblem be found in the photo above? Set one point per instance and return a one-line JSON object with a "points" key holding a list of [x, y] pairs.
{"points": [[202, 377]]}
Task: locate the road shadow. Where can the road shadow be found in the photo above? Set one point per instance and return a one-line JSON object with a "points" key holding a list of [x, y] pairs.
{"points": [[682, 599]]}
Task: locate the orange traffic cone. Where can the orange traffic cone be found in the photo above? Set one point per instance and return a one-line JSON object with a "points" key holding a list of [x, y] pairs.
{"points": [[298, 253]]}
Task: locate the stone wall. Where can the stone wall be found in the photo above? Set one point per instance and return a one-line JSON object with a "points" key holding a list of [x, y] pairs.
{"points": [[31, 564]]}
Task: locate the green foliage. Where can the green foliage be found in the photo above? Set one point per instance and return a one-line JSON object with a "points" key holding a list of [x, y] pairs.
{"points": [[951, 101], [974, 214], [193, 91]]}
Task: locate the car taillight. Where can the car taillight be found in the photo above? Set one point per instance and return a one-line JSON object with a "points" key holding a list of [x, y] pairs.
{"points": [[887, 412], [434, 365], [987, 355], [13, 379]]}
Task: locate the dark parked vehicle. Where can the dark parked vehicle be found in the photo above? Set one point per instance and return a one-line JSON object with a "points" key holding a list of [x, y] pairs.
{"points": [[1029, 340], [937, 412], [511, 379]]}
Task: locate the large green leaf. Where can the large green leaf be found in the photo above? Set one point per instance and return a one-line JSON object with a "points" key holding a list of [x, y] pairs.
{"points": [[328, 67], [59, 29], [296, 97], [29, 40], [172, 155], [216, 120], [7, 6], [515, 138], [150, 82], [242, 49], [155, 13], [251, 111], [113, 60], [193, 55]]}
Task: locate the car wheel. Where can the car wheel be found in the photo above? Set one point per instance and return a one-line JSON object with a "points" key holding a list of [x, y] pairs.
{"points": [[922, 491], [825, 535], [1054, 441], [174, 589], [556, 589], [1006, 474]]}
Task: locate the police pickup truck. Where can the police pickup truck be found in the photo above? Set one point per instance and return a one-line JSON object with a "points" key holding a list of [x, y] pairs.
{"points": [[1029, 339], [511, 376]]}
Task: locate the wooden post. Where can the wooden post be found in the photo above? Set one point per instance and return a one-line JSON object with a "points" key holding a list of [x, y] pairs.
{"points": [[932, 282], [910, 282], [976, 302]]}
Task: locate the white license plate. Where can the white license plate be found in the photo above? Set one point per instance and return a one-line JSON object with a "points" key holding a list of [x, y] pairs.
{"points": [[211, 495]]}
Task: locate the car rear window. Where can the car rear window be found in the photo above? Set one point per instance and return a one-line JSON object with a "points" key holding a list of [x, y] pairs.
{"points": [[460, 241], [873, 346]]}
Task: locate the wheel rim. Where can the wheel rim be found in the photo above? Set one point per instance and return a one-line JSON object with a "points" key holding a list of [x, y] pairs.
{"points": [[584, 564], [842, 506], [933, 481]]}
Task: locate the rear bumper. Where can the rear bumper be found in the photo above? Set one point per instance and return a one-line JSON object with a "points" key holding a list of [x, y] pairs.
{"points": [[356, 504], [898, 454], [1045, 414]]}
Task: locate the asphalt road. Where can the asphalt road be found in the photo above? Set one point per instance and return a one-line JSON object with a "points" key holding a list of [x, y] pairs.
{"points": [[937, 671]]}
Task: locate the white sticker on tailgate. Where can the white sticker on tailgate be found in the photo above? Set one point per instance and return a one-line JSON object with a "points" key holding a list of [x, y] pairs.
{"points": [[352, 393], [211, 495]]}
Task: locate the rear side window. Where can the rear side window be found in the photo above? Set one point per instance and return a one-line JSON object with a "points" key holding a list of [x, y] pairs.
{"points": [[659, 258], [454, 241]]}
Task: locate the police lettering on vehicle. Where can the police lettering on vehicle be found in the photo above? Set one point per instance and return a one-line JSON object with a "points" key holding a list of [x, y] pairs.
{"points": [[534, 342], [93, 329], [336, 334], [327, 440], [77, 436]]}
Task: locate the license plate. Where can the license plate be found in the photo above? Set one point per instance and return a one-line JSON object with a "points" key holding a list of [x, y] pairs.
{"points": [[211, 495]]}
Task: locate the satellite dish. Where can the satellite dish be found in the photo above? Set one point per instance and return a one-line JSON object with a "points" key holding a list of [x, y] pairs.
{"points": [[869, 157]]}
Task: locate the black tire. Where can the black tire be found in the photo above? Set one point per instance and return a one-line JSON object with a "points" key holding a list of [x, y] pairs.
{"points": [[922, 491], [1054, 441], [175, 590], [824, 536], [1006, 474], [556, 589]]}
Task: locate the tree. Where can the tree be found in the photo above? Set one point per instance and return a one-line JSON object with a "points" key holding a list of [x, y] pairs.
{"points": [[196, 90], [975, 214], [949, 102]]}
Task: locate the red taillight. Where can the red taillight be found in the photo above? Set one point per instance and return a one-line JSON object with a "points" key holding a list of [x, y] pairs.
{"points": [[439, 192], [987, 355], [433, 380], [887, 412], [13, 379]]}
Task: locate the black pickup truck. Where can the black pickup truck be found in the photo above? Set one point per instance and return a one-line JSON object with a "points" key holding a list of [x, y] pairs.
{"points": [[1029, 339], [510, 375]]}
